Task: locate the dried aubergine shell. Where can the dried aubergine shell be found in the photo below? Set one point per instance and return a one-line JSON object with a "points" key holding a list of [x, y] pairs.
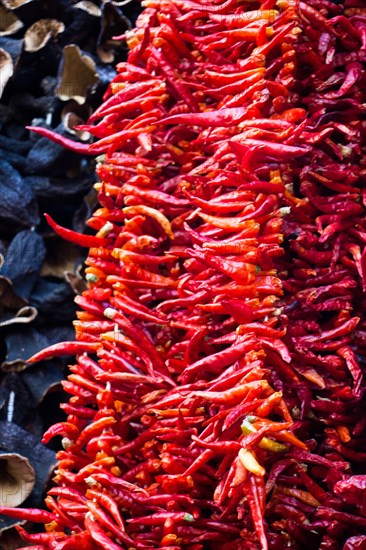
{"points": [[53, 299], [18, 205], [52, 189], [23, 261]]}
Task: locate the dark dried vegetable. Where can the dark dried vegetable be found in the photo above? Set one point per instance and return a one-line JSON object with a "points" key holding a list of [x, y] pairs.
{"points": [[18, 205], [23, 261], [40, 276]]}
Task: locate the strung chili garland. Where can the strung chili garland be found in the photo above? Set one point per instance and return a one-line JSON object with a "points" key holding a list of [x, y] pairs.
{"points": [[217, 397]]}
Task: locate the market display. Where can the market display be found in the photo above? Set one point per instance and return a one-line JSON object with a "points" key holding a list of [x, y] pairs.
{"points": [[217, 398]]}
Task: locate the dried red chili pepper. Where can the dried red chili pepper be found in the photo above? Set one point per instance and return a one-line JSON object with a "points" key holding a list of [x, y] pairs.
{"points": [[254, 308], [75, 146], [64, 348]]}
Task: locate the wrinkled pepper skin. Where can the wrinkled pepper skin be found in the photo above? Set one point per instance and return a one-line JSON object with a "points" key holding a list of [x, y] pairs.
{"points": [[217, 397]]}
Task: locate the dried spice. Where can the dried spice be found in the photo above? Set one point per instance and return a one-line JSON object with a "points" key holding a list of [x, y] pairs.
{"points": [[217, 394]]}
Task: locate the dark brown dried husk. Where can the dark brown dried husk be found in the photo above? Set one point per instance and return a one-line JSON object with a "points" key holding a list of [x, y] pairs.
{"points": [[38, 283]]}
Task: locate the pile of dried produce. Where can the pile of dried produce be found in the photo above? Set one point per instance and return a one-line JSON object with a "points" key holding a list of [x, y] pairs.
{"points": [[217, 399]]}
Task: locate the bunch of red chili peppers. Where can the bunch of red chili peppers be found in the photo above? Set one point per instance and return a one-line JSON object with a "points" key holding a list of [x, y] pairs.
{"points": [[217, 400]]}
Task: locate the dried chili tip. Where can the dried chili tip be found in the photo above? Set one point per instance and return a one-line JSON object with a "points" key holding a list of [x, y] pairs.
{"points": [[64, 348], [43, 538], [249, 461], [75, 146], [62, 428], [88, 241]]}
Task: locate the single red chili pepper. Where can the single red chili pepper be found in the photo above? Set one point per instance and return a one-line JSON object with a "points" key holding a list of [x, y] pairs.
{"points": [[64, 348], [116, 361], [127, 255], [353, 366], [252, 492], [135, 275], [96, 427], [178, 86], [130, 91], [89, 366], [199, 462], [93, 327], [126, 377], [237, 20], [241, 98], [105, 522], [28, 514], [111, 480], [269, 150], [236, 414], [153, 196], [137, 310], [159, 518], [62, 428], [328, 513], [232, 395], [61, 516], [341, 330], [81, 412], [277, 39], [98, 535], [271, 402], [313, 488], [43, 538], [69, 493], [117, 140], [219, 360], [75, 146], [146, 100], [239, 271], [74, 237], [223, 117], [277, 346]]}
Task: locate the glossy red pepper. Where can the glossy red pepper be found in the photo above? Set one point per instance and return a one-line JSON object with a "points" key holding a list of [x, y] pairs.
{"points": [[75, 146], [64, 348]]}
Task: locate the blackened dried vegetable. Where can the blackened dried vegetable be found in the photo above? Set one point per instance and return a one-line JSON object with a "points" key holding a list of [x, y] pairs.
{"points": [[39, 272]]}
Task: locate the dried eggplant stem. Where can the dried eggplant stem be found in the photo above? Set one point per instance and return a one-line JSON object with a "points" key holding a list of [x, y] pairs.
{"points": [[9, 22], [17, 478], [6, 69], [40, 33], [78, 75], [14, 4]]}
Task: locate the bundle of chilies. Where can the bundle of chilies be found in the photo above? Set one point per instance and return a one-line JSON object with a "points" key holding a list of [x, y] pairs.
{"points": [[217, 399]]}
